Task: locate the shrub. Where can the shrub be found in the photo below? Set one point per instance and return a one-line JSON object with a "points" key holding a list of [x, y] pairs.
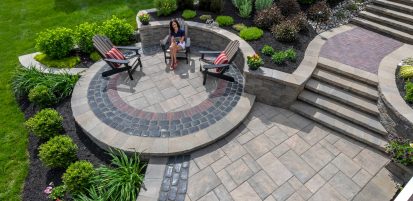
{"points": [[56, 43], [279, 57], [409, 92], [45, 124], [185, 4], [144, 18], [58, 152], [400, 150], [291, 54], [204, 18], [84, 34], [267, 50], [254, 61], [118, 30], [216, 6], [319, 12], [267, 17], [78, 176], [25, 79], [262, 4], [237, 3], [94, 56], [67, 62], [406, 71], [351, 6], [42, 96], [58, 192], [224, 20], [245, 9], [289, 7], [285, 31], [165, 7], [188, 14], [239, 26], [123, 179], [251, 33], [300, 21], [306, 1]]}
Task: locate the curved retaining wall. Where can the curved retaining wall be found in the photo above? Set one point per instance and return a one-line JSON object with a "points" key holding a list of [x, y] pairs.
{"points": [[395, 114]]}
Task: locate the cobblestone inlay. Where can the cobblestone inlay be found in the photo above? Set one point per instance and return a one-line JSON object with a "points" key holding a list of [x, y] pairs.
{"points": [[110, 108], [175, 179]]}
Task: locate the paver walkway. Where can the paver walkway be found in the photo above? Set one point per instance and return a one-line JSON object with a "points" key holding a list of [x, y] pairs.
{"points": [[278, 155], [359, 48]]}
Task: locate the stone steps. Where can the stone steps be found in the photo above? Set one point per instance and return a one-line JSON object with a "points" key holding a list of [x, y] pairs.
{"points": [[396, 15], [343, 96], [346, 83], [404, 8], [349, 113], [339, 124], [406, 2], [386, 21]]}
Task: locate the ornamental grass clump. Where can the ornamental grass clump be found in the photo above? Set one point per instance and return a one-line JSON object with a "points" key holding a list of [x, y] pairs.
{"points": [[245, 8], [118, 30], [223, 20], [400, 150], [406, 71], [45, 124], [188, 14], [78, 176], [56, 43], [58, 152], [251, 33]]}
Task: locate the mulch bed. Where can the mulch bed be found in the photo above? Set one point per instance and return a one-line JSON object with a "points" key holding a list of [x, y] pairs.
{"points": [[40, 176], [304, 37], [401, 83]]}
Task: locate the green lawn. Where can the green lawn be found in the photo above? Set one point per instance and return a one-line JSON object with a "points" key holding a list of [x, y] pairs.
{"points": [[19, 23]]}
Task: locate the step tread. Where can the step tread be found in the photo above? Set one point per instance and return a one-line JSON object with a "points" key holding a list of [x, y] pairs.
{"points": [[406, 2], [360, 75], [336, 123], [392, 4], [386, 20], [342, 96], [347, 83], [403, 36], [344, 111], [393, 13]]}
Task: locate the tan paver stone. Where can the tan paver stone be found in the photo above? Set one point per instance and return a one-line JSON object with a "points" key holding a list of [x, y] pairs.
{"points": [[344, 185], [193, 168], [170, 92], [349, 147], [233, 150], [270, 198], [246, 137], [313, 133], [173, 103], [283, 192], [239, 171], [327, 193], [297, 166], [280, 149], [222, 193], [226, 180], [370, 160], [276, 135], [315, 183], [259, 146], [245, 193], [187, 91], [328, 171], [251, 163], [201, 183], [207, 156], [346, 165], [317, 157], [362, 177], [139, 103], [380, 187], [220, 164], [209, 197], [297, 144], [262, 184], [295, 197], [330, 147], [256, 126], [274, 168]]}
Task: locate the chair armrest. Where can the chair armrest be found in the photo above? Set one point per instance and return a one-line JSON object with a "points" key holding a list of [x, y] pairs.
{"points": [[212, 66], [206, 60], [128, 48], [188, 42], [117, 61]]}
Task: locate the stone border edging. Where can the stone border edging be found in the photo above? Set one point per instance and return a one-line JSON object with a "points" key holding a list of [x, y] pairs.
{"points": [[389, 92], [28, 61], [107, 137], [153, 179]]}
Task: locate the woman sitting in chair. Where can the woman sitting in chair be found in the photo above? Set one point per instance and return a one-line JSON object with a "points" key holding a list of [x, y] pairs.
{"points": [[177, 41]]}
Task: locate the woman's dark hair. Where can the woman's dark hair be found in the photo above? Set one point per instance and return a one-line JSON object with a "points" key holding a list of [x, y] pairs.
{"points": [[171, 29]]}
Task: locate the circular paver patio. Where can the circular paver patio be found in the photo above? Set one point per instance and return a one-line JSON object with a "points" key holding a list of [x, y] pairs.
{"points": [[159, 104]]}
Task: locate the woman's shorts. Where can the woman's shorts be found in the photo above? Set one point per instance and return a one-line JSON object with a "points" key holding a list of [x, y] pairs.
{"points": [[182, 44]]}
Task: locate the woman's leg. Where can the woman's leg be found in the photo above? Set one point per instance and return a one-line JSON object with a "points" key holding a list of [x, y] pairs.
{"points": [[172, 52]]}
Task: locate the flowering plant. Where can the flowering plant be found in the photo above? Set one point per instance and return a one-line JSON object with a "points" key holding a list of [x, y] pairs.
{"points": [[254, 61], [144, 18], [401, 150]]}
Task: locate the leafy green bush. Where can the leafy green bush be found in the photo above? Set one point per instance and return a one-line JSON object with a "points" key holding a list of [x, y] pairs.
{"points": [[245, 9], [45, 124], [94, 56], [267, 50], [58, 192], [239, 26], [84, 34], [78, 176], [188, 14], [286, 31], [251, 33], [56, 43], [406, 71], [291, 54], [409, 92], [42, 96], [121, 181], [223, 20], [58, 152], [118, 30], [185, 4], [165, 7], [67, 62], [25, 79], [268, 17], [279, 57], [319, 12], [306, 1], [300, 21], [400, 150], [262, 4], [217, 6], [289, 7], [204, 18]]}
